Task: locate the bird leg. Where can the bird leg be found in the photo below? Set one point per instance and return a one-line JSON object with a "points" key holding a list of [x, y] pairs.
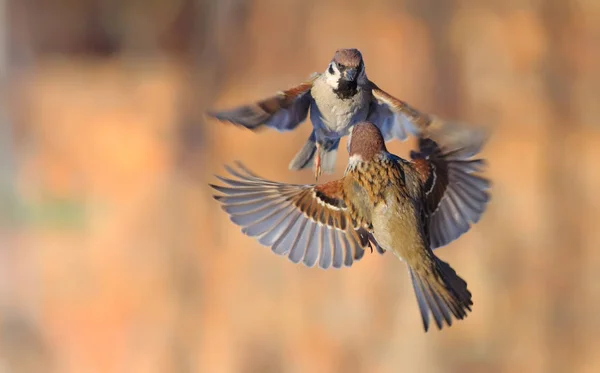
{"points": [[318, 162]]}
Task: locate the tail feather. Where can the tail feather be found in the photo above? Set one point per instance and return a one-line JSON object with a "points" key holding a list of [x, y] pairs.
{"points": [[305, 157], [328, 156], [441, 293]]}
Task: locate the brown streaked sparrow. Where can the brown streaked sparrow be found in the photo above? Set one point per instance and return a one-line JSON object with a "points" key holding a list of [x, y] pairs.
{"points": [[406, 207], [337, 99]]}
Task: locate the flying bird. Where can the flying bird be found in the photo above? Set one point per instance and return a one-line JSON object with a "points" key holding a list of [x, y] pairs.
{"points": [[382, 202], [337, 99]]}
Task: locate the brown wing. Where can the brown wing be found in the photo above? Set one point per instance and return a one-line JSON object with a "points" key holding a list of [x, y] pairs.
{"points": [[304, 222], [283, 111], [455, 196], [394, 117]]}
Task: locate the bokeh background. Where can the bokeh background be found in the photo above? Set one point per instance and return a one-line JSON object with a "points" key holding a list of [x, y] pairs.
{"points": [[115, 258]]}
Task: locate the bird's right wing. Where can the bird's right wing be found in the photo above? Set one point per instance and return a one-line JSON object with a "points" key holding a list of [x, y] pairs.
{"points": [[455, 194], [284, 111], [309, 223]]}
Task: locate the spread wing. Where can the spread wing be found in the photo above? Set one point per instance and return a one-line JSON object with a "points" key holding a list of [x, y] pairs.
{"points": [[303, 222], [283, 111], [455, 195], [395, 118]]}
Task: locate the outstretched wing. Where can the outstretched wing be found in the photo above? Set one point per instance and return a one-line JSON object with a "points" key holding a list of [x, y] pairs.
{"points": [[304, 222], [283, 111], [395, 118], [455, 195]]}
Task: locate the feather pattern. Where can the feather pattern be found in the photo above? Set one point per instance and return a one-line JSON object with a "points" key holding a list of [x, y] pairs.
{"points": [[441, 293], [455, 195], [394, 117], [336, 100], [404, 207], [304, 222], [284, 111]]}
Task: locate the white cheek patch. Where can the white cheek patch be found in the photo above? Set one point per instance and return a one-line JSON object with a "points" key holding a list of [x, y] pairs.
{"points": [[332, 79]]}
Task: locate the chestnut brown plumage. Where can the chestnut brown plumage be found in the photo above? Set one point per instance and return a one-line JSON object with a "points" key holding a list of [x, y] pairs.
{"points": [[383, 201], [348, 57], [366, 142]]}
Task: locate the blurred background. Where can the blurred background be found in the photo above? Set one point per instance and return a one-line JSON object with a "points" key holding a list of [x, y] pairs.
{"points": [[115, 258]]}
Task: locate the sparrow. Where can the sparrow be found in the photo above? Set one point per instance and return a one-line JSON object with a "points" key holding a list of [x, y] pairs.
{"points": [[408, 207], [337, 99]]}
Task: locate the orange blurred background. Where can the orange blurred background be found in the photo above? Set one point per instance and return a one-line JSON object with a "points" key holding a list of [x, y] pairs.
{"points": [[115, 258]]}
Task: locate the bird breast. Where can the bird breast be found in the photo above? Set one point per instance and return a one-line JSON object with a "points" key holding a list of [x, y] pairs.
{"points": [[396, 219], [333, 116], [396, 227]]}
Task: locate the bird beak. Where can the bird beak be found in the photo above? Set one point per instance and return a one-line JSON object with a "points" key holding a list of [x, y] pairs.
{"points": [[350, 74]]}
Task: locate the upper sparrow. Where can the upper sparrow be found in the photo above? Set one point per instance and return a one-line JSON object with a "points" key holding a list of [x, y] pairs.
{"points": [[406, 207], [337, 99]]}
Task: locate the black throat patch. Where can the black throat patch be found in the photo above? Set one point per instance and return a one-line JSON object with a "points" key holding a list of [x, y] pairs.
{"points": [[346, 89]]}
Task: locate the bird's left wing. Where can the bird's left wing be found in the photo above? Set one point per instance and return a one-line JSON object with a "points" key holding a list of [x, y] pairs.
{"points": [[455, 193], [284, 111], [394, 117], [309, 223]]}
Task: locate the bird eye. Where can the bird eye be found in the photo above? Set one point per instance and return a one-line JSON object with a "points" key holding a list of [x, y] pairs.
{"points": [[340, 66]]}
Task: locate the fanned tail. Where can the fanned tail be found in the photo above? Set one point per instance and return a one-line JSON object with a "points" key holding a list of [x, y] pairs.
{"points": [[440, 292]]}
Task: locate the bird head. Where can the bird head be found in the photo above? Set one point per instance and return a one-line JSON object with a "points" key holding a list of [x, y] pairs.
{"points": [[345, 69], [365, 142]]}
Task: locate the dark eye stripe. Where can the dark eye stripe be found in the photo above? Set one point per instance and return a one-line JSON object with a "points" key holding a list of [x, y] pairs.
{"points": [[331, 70]]}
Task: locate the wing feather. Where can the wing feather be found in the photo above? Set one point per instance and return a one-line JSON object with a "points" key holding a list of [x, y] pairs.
{"points": [[394, 117], [307, 223], [398, 119], [283, 111], [455, 194]]}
